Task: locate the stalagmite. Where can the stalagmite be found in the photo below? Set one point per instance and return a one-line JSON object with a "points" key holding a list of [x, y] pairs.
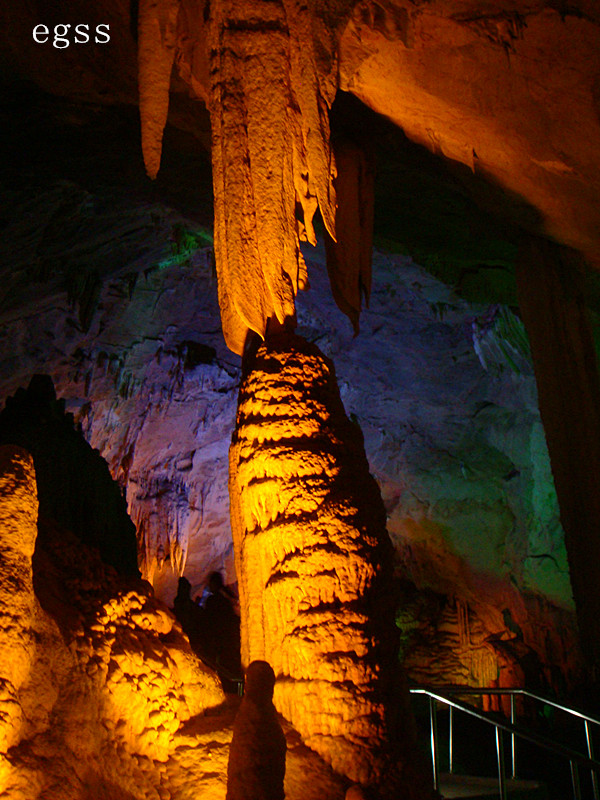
{"points": [[314, 560]]}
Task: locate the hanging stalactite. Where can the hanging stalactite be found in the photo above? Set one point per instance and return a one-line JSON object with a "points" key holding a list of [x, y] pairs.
{"points": [[272, 164]]}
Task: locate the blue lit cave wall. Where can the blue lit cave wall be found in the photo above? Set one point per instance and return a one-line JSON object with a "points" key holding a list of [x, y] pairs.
{"points": [[109, 287]]}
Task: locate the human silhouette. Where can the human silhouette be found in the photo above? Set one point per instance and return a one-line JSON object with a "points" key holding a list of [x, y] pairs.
{"points": [[187, 612], [256, 767], [220, 632]]}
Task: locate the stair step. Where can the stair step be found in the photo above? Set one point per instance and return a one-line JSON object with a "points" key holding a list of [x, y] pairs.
{"points": [[475, 788]]}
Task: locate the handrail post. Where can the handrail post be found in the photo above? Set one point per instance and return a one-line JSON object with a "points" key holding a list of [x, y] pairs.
{"points": [[575, 780], [434, 743], [513, 738], [451, 742], [590, 749], [501, 774]]}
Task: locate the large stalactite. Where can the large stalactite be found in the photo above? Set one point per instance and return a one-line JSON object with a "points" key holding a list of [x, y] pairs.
{"points": [[314, 562], [271, 159], [268, 74]]}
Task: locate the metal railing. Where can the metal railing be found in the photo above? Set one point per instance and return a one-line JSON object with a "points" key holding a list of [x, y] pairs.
{"points": [[446, 695]]}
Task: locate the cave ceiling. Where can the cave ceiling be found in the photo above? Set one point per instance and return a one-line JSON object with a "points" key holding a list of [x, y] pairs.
{"points": [[486, 123]]}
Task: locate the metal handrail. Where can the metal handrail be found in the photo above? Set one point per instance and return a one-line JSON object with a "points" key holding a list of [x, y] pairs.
{"points": [[477, 690], [513, 692], [576, 759]]}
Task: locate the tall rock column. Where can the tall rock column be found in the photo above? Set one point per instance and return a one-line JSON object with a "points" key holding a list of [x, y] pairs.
{"points": [[566, 371], [314, 564]]}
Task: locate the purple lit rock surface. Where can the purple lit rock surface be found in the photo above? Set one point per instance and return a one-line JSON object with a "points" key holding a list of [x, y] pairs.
{"points": [[122, 312]]}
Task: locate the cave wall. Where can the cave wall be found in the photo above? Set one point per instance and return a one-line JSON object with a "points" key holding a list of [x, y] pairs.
{"points": [[510, 92], [117, 302], [473, 88], [443, 391]]}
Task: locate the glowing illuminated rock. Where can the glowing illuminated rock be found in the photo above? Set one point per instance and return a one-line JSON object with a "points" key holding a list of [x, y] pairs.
{"points": [[18, 531], [510, 94], [93, 668], [156, 52], [272, 164], [314, 561]]}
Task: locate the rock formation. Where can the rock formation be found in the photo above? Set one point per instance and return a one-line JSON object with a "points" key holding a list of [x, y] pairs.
{"points": [[314, 562], [507, 98], [256, 767], [74, 485], [18, 605], [443, 389], [268, 92], [96, 676], [100, 693], [569, 389], [466, 76]]}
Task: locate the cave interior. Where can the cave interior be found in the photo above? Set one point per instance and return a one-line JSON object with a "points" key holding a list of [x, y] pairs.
{"points": [[305, 294]]}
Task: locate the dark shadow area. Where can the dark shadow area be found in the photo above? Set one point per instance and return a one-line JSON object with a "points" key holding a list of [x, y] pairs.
{"points": [[98, 788], [75, 488], [47, 139], [213, 628], [453, 222]]}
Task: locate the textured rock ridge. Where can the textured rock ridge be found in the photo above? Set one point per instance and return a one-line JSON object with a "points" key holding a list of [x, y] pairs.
{"points": [[96, 677], [313, 558], [18, 531]]}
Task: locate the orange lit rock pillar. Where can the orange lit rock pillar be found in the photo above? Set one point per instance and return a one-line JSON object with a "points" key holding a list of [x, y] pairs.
{"points": [[314, 564], [566, 372], [18, 532]]}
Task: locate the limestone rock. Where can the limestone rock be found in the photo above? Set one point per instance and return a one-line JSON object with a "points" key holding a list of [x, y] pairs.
{"points": [[157, 25], [508, 93], [313, 559], [443, 389], [349, 258], [74, 485], [269, 155], [18, 531], [256, 767], [96, 677]]}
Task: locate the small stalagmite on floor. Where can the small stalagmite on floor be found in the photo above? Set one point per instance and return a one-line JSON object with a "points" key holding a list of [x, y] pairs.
{"points": [[256, 766], [314, 565]]}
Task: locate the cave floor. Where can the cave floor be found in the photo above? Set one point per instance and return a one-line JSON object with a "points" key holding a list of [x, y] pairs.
{"points": [[461, 786]]}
